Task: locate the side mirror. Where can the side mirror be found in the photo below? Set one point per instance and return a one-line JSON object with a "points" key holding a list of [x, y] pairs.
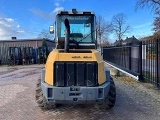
{"points": [[51, 29]]}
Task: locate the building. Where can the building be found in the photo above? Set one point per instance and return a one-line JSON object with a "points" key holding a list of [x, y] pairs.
{"points": [[126, 41], [35, 43], [130, 40], [118, 42]]}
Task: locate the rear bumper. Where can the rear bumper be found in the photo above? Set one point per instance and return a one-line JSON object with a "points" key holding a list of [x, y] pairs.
{"points": [[75, 94]]}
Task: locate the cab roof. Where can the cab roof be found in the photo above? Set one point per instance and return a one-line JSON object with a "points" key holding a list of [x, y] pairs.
{"points": [[74, 11]]}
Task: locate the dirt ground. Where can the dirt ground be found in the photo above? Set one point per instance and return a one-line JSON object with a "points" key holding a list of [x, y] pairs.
{"points": [[135, 100]]}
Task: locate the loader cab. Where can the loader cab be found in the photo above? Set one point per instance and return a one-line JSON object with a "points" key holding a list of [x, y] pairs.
{"points": [[82, 29]]}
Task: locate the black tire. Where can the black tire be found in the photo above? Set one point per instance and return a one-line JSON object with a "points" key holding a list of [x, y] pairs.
{"points": [[41, 100], [110, 100]]}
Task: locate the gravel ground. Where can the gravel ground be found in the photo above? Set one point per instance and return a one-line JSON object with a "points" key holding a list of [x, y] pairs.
{"points": [[135, 101]]}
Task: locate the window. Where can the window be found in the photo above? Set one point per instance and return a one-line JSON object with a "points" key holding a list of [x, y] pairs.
{"points": [[81, 27]]}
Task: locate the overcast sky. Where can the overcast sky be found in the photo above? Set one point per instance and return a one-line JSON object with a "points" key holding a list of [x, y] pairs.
{"points": [[27, 18]]}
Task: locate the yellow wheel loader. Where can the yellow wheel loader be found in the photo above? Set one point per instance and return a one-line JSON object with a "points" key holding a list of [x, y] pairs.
{"points": [[74, 72]]}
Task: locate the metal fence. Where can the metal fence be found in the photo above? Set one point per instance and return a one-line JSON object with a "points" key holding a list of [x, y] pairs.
{"points": [[140, 59], [151, 62]]}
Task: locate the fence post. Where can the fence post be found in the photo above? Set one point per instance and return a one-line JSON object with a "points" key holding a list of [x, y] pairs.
{"points": [[130, 46], [157, 46], [102, 54], [102, 50], [140, 63]]}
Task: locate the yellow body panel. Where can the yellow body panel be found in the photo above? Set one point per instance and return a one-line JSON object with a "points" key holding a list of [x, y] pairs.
{"points": [[56, 55]]}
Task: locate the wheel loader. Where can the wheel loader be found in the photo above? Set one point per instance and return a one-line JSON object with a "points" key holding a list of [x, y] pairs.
{"points": [[14, 56], [74, 71], [42, 53], [27, 55]]}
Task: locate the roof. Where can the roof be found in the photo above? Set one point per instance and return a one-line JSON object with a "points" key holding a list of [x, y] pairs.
{"points": [[126, 41], [117, 42], [17, 40], [130, 40], [74, 11]]}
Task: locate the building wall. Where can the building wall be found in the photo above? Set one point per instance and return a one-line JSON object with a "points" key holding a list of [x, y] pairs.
{"points": [[4, 45], [30, 43]]}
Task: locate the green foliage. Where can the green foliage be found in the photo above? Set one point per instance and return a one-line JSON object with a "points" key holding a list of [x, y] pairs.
{"points": [[44, 43]]}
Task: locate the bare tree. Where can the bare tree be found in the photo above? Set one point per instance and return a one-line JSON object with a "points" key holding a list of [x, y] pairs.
{"points": [[119, 25], [155, 7], [157, 24], [103, 27], [44, 34], [153, 4]]}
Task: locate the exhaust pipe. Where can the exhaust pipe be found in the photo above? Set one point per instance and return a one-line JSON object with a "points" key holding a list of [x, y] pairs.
{"points": [[67, 34]]}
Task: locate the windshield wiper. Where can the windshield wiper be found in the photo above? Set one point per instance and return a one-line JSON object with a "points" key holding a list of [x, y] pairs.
{"points": [[86, 36]]}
